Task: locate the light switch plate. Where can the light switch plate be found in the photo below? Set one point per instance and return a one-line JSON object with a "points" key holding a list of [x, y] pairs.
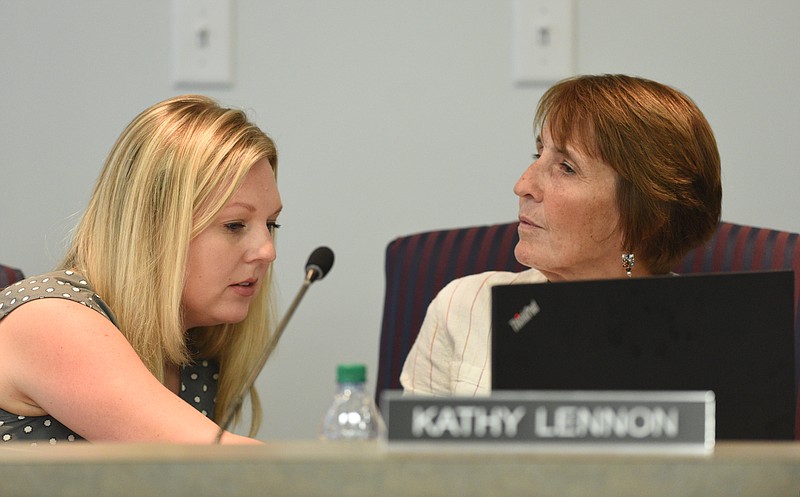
{"points": [[202, 42], [543, 34]]}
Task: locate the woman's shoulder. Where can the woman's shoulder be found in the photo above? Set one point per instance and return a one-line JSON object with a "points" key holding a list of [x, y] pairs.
{"points": [[480, 284], [50, 308], [49, 335], [491, 278]]}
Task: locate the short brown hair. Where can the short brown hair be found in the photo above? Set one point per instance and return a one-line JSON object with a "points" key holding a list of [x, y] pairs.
{"points": [[669, 192]]}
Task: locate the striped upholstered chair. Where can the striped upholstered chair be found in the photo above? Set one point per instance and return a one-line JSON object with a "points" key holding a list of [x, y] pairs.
{"points": [[419, 265], [9, 275]]}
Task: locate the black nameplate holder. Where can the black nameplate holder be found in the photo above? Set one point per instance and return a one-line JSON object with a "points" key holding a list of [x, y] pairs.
{"points": [[673, 422]]}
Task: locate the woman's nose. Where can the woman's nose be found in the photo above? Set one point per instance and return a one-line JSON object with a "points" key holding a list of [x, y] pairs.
{"points": [[264, 248], [528, 183]]}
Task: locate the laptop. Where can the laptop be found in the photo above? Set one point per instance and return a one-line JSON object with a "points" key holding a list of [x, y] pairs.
{"points": [[731, 333]]}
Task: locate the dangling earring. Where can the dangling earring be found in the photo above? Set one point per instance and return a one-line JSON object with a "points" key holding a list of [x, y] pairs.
{"points": [[627, 262]]}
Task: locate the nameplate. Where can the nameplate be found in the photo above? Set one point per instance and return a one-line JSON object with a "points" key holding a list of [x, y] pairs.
{"points": [[581, 420]]}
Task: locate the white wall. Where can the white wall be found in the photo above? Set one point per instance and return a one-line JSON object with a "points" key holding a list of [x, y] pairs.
{"points": [[390, 118]]}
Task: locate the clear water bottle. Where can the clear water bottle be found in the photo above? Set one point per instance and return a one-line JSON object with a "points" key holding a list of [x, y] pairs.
{"points": [[353, 414]]}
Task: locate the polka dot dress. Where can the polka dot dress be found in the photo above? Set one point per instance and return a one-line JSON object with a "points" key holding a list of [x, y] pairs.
{"points": [[60, 284], [199, 385], [198, 380]]}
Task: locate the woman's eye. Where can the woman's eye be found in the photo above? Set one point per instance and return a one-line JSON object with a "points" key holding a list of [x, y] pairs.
{"points": [[272, 227], [567, 168], [536, 156], [234, 227]]}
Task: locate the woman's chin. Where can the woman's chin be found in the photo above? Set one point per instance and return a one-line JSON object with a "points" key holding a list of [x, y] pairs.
{"points": [[524, 255]]}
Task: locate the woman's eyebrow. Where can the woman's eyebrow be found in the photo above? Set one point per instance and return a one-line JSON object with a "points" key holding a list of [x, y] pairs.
{"points": [[244, 205], [569, 152]]}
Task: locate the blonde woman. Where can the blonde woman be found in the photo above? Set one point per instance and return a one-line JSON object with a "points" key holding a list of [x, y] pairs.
{"points": [[161, 305]]}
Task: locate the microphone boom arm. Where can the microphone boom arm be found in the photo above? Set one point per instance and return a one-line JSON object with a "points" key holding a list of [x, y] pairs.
{"points": [[319, 264], [253, 375]]}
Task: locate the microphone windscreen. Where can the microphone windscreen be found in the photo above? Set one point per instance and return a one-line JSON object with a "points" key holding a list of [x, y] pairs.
{"points": [[320, 262]]}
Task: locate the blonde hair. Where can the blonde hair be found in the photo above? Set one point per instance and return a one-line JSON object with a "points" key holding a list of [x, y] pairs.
{"points": [[669, 192], [168, 175]]}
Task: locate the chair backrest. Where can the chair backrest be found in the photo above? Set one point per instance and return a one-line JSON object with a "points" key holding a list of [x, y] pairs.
{"points": [[419, 265], [9, 275]]}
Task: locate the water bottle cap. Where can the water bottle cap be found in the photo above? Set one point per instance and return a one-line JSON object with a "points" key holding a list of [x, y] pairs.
{"points": [[351, 373]]}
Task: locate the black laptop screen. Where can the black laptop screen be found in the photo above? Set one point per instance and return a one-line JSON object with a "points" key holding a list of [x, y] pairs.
{"points": [[731, 333]]}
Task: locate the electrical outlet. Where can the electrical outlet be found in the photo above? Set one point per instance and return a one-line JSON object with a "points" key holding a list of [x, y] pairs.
{"points": [[202, 42], [542, 40]]}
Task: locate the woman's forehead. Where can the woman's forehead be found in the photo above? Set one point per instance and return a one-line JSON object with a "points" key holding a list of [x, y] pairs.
{"points": [[578, 137]]}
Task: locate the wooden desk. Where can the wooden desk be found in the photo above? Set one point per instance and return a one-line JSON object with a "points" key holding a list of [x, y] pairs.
{"points": [[308, 468]]}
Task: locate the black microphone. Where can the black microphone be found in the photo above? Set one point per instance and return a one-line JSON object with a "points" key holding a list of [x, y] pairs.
{"points": [[319, 264]]}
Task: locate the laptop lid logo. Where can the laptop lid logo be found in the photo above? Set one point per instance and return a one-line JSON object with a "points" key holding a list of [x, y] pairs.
{"points": [[524, 316]]}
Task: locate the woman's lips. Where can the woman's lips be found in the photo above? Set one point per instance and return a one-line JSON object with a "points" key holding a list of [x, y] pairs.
{"points": [[525, 222], [245, 288]]}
